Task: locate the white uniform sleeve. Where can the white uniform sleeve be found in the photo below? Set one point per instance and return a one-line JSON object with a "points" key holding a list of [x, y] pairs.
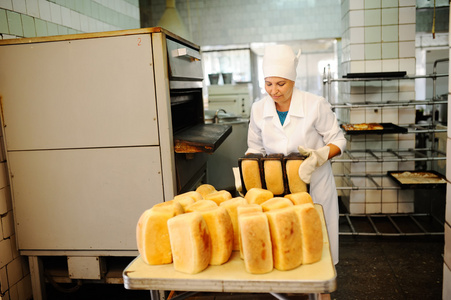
{"points": [[254, 136], [328, 128]]}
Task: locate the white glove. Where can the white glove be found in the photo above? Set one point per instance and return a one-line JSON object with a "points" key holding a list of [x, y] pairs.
{"points": [[314, 160]]}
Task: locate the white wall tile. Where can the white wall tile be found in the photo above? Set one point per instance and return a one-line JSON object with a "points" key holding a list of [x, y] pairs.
{"points": [[406, 32], [3, 280], [33, 8], [373, 66], [389, 16], [44, 10], [407, 65], [20, 6], [446, 294], [390, 115], [407, 15], [14, 270], [407, 3], [373, 208], [369, 4], [356, 18], [405, 207], [55, 13], [7, 4], [356, 4], [357, 35], [390, 33], [390, 65], [5, 252], [7, 221], [390, 50], [407, 49], [357, 52], [373, 51], [372, 17], [389, 3], [373, 34], [389, 208], [357, 208]]}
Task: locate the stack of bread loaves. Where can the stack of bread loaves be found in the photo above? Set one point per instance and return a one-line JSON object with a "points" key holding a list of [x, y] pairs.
{"points": [[276, 173], [203, 227]]}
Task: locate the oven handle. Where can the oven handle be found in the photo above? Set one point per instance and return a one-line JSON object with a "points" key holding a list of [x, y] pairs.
{"points": [[186, 52]]}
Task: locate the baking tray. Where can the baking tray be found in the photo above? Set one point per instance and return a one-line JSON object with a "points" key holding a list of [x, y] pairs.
{"points": [[399, 74], [421, 182], [388, 128]]}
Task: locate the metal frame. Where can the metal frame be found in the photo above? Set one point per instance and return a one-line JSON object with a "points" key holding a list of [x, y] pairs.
{"points": [[389, 219]]}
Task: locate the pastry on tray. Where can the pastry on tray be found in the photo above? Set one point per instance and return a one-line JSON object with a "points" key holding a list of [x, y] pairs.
{"points": [[363, 126]]}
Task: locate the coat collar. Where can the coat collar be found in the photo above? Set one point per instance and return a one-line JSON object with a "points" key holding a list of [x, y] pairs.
{"points": [[296, 106]]}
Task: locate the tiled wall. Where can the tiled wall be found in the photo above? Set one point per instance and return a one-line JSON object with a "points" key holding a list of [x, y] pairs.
{"points": [[447, 250], [378, 36], [219, 22], [34, 18]]}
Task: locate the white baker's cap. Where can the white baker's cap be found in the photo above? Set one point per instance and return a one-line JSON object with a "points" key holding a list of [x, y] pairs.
{"points": [[280, 61]]}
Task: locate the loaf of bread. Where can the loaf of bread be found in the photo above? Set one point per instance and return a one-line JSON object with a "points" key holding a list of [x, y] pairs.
{"points": [[200, 205], [219, 196], [274, 176], [231, 207], [221, 233], [152, 236], [244, 209], [300, 198], [258, 195], [190, 242], [276, 203], [295, 183], [256, 243], [312, 233], [250, 171], [184, 201], [205, 189], [172, 206], [193, 194], [286, 238]]}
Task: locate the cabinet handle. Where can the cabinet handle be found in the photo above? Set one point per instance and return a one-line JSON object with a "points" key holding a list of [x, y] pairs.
{"points": [[186, 52]]}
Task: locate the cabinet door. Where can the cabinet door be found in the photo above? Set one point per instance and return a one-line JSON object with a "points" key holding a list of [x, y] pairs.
{"points": [[94, 92], [85, 199]]}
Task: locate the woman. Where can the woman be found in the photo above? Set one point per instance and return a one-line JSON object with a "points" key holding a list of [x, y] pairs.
{"points": [[289, 120]]}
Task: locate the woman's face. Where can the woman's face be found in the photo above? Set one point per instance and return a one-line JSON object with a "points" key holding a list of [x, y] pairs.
{"points": [[280, 89]]}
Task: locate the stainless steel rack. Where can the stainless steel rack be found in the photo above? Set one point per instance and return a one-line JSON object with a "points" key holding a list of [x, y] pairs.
{"points": [[417, 224]]}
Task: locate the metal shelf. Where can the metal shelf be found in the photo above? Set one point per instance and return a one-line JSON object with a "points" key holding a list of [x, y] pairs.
{"points": [[371, 178], [389, 104], [433, 76], [395, 155], [416, 224]]}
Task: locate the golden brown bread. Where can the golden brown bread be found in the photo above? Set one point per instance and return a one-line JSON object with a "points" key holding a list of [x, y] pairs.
{"points": [[286, 238], [300, 198], [312, 233], [256, 243], [295, 183], [274, 176], [250, 171], [258, 195], [190, 242]]}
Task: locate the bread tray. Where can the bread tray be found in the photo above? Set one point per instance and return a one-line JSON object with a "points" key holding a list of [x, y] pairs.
{"points": [[417, 181], [376, 75], [388, 128]]}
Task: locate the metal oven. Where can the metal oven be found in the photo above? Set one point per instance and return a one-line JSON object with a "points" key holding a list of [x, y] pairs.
{"points": [[97, 129]]}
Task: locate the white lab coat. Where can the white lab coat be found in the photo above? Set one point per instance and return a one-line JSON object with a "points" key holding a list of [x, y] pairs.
{"points": [[310, 123]]}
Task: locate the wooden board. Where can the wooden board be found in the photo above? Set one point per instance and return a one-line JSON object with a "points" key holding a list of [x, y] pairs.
{"points": [[232, 277], [202, 138]]}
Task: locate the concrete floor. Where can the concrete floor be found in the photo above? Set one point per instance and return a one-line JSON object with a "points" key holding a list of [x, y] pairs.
{"points": [[369, 268]]}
